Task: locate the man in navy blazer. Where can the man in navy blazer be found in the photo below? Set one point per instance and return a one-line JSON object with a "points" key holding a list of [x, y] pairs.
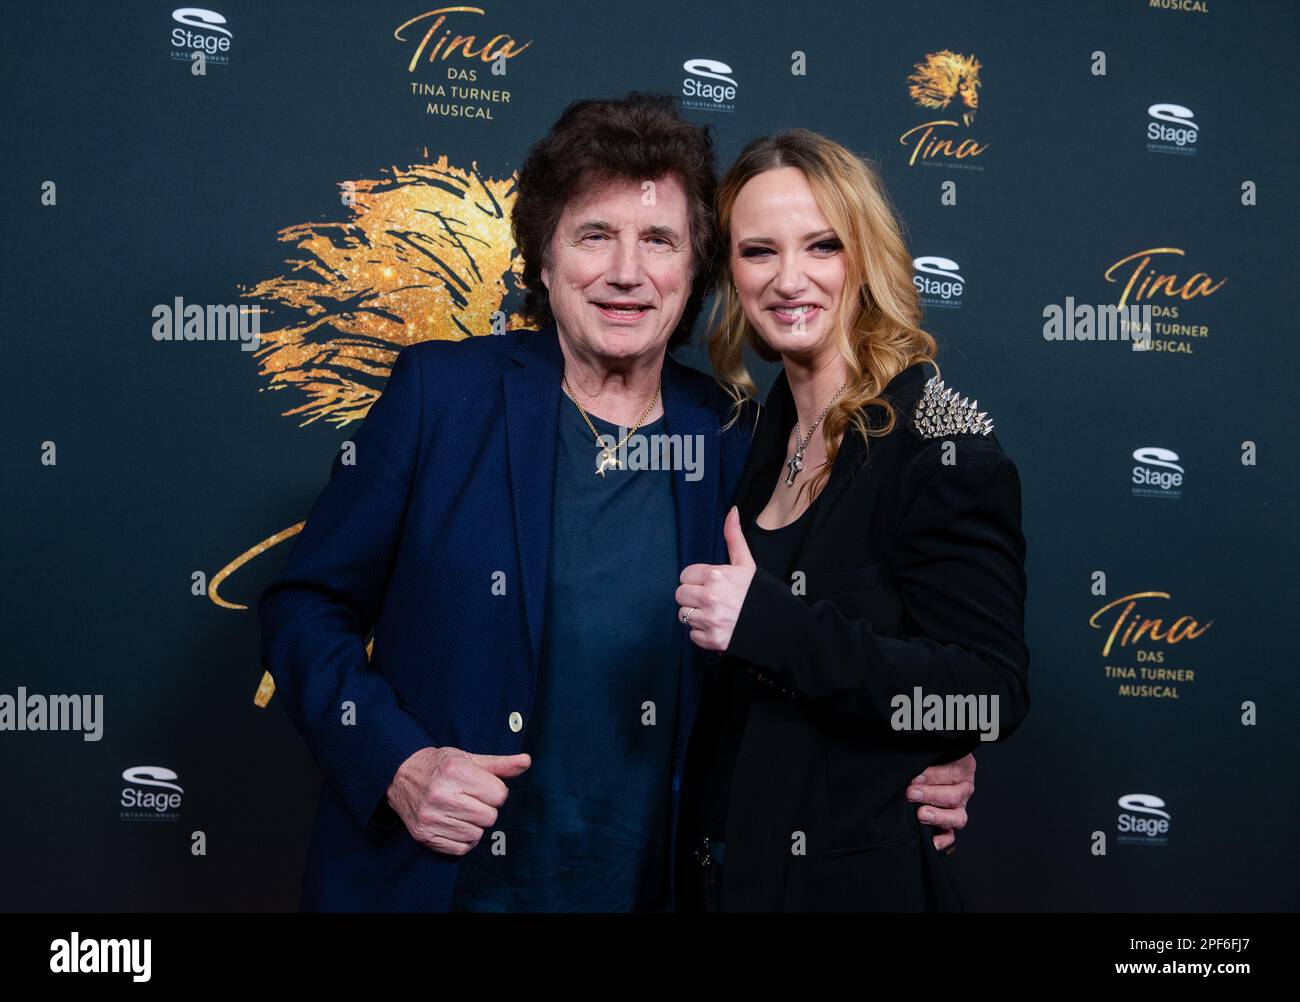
{"points": [[529, 678]]}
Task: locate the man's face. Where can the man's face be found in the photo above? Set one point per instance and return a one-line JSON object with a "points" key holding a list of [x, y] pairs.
{"points": [[620, 268]]}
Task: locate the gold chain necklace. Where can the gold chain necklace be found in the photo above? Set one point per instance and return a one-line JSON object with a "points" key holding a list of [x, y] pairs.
{"points": [[605, 459]]}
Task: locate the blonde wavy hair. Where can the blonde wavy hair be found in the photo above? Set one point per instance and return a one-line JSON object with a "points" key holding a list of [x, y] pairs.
{"points": [[877, 331]]}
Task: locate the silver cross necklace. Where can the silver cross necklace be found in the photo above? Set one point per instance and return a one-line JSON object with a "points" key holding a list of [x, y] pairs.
{"points": [[795, 462]]}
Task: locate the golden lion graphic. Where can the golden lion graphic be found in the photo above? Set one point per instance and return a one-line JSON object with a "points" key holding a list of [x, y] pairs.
{"points": [[426, 255], [943, 77]]}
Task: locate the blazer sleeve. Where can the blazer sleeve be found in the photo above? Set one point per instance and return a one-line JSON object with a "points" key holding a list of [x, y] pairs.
{"points": [[317, 614], [959, 572]]}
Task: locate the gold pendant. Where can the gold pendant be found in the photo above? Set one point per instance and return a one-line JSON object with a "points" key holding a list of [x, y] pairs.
{"points": [[606, 461]]}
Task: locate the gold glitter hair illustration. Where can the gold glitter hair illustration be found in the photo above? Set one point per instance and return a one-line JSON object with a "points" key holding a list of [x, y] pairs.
{"points": [[426, 255], [946, 78]]}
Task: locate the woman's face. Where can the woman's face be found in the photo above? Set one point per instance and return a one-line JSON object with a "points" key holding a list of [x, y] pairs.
{"points": [[787, 263]]}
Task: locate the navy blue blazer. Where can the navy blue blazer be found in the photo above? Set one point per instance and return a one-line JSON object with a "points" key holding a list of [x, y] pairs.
{"points": [[450, 492]]}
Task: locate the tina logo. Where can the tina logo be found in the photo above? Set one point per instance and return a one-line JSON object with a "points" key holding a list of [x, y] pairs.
{"points": [[1130, 626], [437, 40], [1158, 277], [947, 85]]}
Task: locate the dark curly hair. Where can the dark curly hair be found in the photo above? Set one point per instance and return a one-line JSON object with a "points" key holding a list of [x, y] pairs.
{"points": [[638, 138]]}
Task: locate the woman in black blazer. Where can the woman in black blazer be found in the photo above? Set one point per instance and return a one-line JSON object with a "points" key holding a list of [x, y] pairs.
{"points": [[876, 560]]}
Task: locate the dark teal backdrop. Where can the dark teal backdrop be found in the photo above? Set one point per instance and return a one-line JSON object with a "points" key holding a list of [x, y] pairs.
{"points": [[175, 458]]}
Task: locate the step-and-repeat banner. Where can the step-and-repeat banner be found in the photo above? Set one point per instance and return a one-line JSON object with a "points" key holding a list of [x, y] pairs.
{"points": [[223, 223]]}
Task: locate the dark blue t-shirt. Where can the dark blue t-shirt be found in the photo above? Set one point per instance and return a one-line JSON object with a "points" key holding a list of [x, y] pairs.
{"points": [[587, 826]]}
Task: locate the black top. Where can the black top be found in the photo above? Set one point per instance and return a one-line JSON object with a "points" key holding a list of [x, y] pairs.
{"points": [[775, 551]]}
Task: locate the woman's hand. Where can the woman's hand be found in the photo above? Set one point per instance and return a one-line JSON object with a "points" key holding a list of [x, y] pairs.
{"points": [[710, 595]]}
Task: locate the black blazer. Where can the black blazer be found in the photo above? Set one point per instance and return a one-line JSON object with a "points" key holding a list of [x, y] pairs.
{"points": [[914, 576]]}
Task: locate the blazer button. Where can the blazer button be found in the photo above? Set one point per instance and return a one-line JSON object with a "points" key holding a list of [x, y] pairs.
{"points": [[516, 721]]}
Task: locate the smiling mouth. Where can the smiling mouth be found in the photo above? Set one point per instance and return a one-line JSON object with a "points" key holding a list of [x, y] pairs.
{"points": [[801, 313], [623, 311]]}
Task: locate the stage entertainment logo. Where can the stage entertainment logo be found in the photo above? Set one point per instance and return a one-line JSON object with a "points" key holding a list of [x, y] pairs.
{"points": [[1172, 129], [1156, 473], [708, 86], [939, 281], [150, 794], [1143, 820], [200, 34]]}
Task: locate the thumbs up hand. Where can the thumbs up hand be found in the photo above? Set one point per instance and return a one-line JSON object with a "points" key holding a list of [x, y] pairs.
{"points": [[448, 797], [710, 596]]}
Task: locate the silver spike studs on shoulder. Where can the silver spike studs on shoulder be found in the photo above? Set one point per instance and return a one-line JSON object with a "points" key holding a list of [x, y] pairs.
{"points": [[941, 411]]}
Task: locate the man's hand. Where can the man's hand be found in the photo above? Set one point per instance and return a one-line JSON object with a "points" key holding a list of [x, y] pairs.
{"points": [[447, 797], [942, 792], [714, 593]]}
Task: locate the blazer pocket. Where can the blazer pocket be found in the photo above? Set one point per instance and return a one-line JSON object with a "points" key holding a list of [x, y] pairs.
{"points": [[838, 582], [837, 852], [887, 876]]}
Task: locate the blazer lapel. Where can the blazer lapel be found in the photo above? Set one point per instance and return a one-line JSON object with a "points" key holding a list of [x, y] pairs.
{"points": [[769, 438], [699, 520], [531, 387], [686, 413]]}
